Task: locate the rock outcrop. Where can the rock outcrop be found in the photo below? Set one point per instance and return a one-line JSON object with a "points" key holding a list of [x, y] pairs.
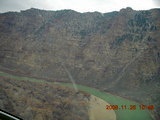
{"points": [[117, 51]]}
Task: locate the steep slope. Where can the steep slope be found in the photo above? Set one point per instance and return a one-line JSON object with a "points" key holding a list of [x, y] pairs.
{"points": [[37, 101], [117, 52]]}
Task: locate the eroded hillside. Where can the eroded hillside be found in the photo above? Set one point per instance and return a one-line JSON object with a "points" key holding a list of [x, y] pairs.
{"points": [[39, 101], [117, 52]]}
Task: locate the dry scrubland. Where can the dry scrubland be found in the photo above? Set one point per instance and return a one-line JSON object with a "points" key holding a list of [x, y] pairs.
{"points": [[117, 52], [39, 101]]}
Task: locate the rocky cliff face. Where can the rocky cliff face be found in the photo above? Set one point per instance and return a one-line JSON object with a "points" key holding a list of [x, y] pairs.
{"points": [[117, 51]]}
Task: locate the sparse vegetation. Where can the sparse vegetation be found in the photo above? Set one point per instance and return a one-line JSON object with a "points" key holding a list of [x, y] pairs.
{"points": [[62, 101], [116, 52], [33, 100]]}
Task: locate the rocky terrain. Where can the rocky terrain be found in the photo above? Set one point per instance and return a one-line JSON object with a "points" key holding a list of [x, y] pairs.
{"points": [[117, 52], [37, 101]]}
